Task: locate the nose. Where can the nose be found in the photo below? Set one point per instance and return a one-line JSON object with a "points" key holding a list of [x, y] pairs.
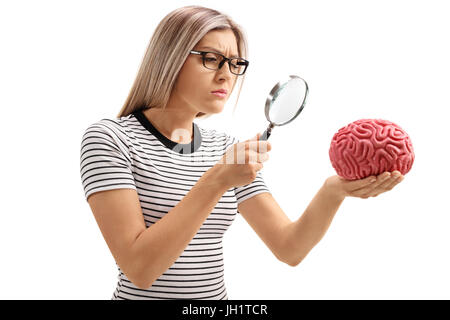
{"points": [[224, 70]]}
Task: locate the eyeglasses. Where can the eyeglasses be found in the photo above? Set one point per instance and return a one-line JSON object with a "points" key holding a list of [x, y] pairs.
{"points": [[215, 61]]}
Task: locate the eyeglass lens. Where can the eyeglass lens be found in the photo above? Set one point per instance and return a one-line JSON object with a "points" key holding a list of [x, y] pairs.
{"points": [[213, 60]]}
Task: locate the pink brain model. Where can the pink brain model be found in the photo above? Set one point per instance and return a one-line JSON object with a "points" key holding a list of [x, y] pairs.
{"points": [[369, 147]]}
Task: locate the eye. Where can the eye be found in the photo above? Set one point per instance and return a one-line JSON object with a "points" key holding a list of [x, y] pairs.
{"points": [[211, 57], [238, 64]]}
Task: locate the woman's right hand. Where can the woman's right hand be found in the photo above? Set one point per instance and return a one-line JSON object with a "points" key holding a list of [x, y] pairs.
{"points": [[241, 162]]}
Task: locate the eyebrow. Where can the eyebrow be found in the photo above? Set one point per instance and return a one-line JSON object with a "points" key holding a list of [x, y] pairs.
{"points": [[218, 51]]}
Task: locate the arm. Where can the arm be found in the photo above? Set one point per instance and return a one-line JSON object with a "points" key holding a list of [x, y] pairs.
{"points": [[292, 241], [308, 230], [145, 253]]}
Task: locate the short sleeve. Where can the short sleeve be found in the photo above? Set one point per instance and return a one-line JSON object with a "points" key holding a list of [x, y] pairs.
{"points": [[104, 160], [257, 186]]}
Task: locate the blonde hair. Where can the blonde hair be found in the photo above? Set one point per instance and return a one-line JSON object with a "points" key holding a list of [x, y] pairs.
{"points": [[167, 51]]}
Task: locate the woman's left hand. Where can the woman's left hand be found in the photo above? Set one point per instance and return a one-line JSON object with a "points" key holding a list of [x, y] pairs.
{"points": [[364, 188]]}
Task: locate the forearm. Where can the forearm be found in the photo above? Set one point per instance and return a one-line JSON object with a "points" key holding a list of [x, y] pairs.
{"points": [[303, 234], [159, 246]]}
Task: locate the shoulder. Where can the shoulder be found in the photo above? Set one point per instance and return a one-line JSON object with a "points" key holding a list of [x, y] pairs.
{"points": [[120, 126], [112, 124], [116, 129]]}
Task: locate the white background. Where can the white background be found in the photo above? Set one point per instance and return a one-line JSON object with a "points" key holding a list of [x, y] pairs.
{"points": [[67, 64]]}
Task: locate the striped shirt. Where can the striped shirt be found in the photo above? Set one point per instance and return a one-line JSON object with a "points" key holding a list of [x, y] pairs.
{"points": [[129, 152]]}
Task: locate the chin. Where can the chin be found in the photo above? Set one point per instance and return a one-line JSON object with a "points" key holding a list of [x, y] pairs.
{"points": [[214, 109]]}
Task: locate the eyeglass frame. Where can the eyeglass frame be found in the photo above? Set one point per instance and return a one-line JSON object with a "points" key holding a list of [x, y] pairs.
{"points": [[224, 59]]}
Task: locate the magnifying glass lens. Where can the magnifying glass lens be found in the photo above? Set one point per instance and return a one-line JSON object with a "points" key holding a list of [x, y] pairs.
{"points": [[287, 101]]}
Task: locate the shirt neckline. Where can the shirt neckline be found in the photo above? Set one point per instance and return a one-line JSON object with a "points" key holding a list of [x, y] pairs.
{"points": [[181, 148]]}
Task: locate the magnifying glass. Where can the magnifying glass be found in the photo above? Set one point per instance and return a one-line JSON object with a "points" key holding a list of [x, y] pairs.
{"points": [[284, 103]]}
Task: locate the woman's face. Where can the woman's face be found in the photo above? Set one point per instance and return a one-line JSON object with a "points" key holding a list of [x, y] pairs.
{"points": [[195, 82]]}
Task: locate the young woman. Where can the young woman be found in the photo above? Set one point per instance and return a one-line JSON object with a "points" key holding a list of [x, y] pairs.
{"points": [[163, 190]]}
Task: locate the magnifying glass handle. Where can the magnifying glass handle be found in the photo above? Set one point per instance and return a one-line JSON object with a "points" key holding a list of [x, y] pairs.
{"points": [[265, 135]]}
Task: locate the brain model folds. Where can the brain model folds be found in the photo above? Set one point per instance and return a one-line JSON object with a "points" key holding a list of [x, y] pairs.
{"points": [[369, 147]]}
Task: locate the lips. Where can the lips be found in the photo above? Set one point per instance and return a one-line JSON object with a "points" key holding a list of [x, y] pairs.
{"points": [[223, 91]]}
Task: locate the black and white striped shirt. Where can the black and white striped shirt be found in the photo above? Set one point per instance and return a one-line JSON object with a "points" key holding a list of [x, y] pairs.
{"points": [[129, 152]]}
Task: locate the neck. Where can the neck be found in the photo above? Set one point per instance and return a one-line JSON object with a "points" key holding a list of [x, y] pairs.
{"points": [[174, 124], [175, 120]]}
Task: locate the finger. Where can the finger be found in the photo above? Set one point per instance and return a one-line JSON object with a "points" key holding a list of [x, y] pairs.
{"points": [[263, 157], [354, 185], [252, 142], [259, 146], [385, 182], [396, 174], [363, 188], [390, 180], [390, 183], [258, 166], [231, 155], [375, 187], [382, 187], [254, 157]]}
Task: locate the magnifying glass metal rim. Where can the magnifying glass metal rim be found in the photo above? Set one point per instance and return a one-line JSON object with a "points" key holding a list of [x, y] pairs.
{"points": [[272, 93]]}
